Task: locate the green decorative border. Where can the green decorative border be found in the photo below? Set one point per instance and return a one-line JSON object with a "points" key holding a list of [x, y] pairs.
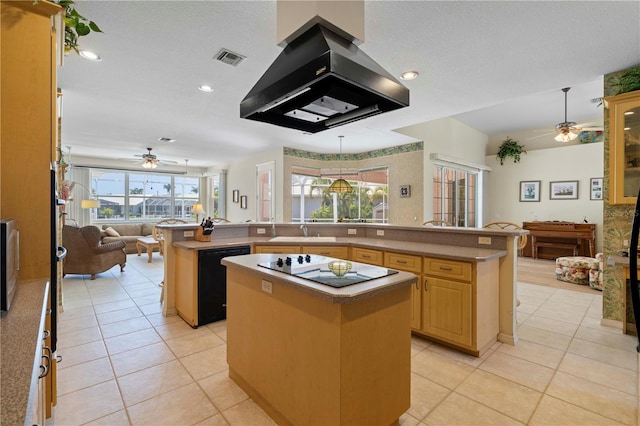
{"points": [[394, 150]]}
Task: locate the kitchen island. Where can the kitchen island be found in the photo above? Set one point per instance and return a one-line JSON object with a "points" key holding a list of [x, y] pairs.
{"points": [[308, 353]]}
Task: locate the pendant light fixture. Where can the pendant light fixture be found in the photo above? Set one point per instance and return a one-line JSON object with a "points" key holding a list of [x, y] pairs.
{"points": [[565, 129], [340, 186]]}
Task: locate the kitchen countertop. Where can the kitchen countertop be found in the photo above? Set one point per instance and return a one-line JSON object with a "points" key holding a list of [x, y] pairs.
{"points": [[469, 254], [21, 329], [350, 294]]}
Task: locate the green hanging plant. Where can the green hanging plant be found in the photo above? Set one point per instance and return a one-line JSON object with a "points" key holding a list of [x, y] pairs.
{"points": [[75, 25], [629, 81], [510, 148]]}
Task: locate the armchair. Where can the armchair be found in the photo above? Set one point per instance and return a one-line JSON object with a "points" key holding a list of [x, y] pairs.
{"points": [[87, 255]]}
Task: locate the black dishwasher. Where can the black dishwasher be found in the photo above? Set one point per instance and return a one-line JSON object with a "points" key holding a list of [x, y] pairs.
{"points": [[212, 283]]}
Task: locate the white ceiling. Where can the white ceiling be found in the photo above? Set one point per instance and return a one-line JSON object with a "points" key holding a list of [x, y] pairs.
{"points": [[496, 66]]}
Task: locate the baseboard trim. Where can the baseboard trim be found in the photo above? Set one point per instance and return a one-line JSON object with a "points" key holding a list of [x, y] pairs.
{"points": [[611, 323]]}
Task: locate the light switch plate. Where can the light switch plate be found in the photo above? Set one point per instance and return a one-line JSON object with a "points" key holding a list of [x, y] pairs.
{"points": [[380, 233], [188, 233], [352, 231], [261, 231], [484, 240]]}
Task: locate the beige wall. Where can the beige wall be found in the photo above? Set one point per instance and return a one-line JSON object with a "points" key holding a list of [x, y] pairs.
{"points": [[405, 168], [574, 162]]}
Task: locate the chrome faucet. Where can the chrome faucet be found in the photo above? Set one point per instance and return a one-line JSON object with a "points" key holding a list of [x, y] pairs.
{"points": [[305, 230]]}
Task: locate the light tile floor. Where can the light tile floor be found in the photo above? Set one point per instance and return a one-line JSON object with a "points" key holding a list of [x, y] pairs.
{"points": [[123, 363]]}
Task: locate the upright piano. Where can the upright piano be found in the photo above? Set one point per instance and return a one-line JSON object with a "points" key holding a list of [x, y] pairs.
{"points": [[551, 239]]}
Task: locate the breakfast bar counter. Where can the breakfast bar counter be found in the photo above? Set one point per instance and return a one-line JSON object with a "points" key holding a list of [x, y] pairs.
{"points": [[309, 353]]}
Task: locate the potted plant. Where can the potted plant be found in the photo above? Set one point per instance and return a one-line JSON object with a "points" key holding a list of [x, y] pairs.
{"points": [[629, 81], [75, 25], [510, 148]]}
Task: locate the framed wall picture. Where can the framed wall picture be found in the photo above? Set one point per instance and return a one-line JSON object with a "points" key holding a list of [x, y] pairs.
{"points": [[236, 195], [405, 191], [529, 190], [243, 202], [596, 188], [563, 190]]}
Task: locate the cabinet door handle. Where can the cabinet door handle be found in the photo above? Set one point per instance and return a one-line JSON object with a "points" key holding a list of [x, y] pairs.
{"points": [[402, 262], [442, 268], [44, 368], [366, 256], [46, 334], [417, 285], [426, 284]]}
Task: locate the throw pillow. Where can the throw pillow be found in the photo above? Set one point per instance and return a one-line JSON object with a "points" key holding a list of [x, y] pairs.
{"points": [[111, 232]]}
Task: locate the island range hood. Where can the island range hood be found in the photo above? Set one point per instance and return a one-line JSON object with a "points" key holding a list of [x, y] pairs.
{"points": [[320, 81]]}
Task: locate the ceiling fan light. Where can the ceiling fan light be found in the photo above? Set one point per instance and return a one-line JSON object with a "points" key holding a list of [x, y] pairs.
{"points": [[149, 165], [340, 186], [565, 136]]}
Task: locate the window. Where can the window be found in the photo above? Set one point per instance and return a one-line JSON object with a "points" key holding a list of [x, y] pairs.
{"points": [[311, 200], [265, 209], [455, 195], [138, 196]]}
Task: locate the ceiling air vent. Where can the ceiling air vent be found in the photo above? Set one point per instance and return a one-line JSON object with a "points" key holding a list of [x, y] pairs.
{"points": [[229, 57]]}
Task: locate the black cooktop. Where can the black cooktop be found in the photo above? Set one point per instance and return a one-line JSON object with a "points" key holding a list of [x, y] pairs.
{"points": [[327, 270]]}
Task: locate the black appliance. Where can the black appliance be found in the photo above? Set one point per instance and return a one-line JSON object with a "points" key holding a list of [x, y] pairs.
{"points": [[327, 270], [57, 254], [212, 283], [10, 261], [633, 269], [319, 81]]}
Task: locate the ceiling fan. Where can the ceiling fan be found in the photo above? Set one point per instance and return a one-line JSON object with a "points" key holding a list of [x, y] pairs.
{"points": [[150, 161], [569, 130]]}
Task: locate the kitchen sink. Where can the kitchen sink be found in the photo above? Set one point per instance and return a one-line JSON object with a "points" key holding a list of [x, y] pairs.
{"points": [[305, 239]]}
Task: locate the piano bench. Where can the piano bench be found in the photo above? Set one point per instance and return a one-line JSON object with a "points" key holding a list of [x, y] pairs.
{"points": [[576, 269], [573, 247]]}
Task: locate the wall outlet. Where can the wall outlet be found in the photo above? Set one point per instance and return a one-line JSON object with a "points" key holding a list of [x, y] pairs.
{"points": [[484, 240], [267, 286], [380, 233], [188, 233], [261, 231], [352, 231]]}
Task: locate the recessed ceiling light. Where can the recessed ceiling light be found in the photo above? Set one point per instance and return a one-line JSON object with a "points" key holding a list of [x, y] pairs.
{"points": [[627, 128], [205, 88], [628, 113], [409, 75], [91, 56]]}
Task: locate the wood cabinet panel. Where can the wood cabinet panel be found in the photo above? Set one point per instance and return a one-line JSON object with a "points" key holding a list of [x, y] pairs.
{"points": [[409, 263], [373, 257], [447, 311], [277, 249], [447, 268], [329, 251], [624, 155], [403, 262]]}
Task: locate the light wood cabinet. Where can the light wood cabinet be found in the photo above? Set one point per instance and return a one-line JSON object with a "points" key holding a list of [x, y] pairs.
{"points": [[277, 249], [187, 286], [446, 310], [460, 303], [409, 263], [29, 59], [373, 257], [624, 148], [329, 251]]}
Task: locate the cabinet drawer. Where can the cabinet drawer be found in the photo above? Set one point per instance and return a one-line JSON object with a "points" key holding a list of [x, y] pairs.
{"points": [[404, 262], [447, 269], [330, 251], [277, 249], [373, 257]]}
